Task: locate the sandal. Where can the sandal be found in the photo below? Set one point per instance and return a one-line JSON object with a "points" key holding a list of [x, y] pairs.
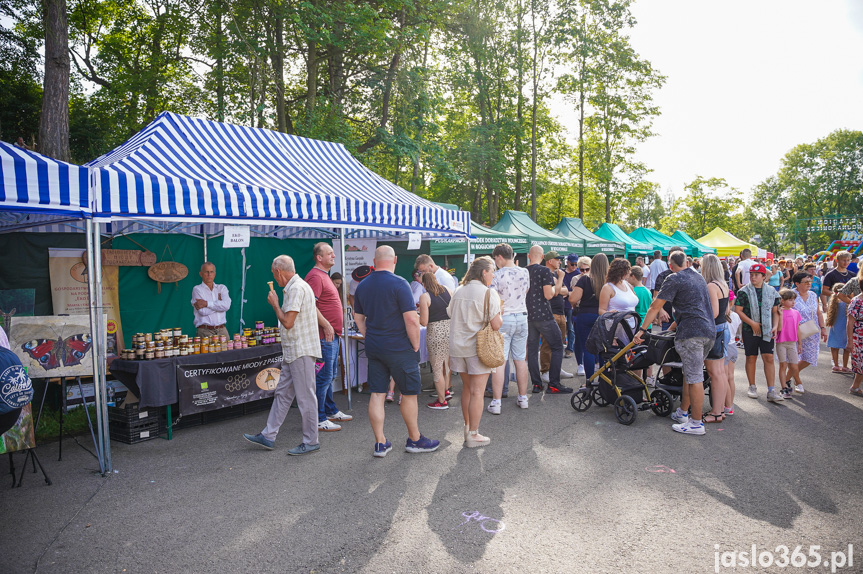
{"points": [[712, 418], [858, 392], [837, 369]]}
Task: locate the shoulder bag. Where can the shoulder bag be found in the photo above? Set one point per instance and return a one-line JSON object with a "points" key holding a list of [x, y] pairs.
{"points": [[489, 343]]}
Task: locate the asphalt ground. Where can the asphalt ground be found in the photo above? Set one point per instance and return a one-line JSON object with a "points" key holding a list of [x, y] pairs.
{"points": [[555, 491]]}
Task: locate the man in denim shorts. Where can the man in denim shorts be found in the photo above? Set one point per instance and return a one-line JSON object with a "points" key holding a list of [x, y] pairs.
{"points": [[512, 283], [386, 316], [686, 290]]}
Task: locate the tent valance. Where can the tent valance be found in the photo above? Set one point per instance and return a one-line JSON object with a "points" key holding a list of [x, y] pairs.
{"points": [[483, 241], [573, 228]]}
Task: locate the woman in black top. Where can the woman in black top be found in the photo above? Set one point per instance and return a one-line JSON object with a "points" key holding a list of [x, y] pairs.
{"points": [[432, 306], [584, 298]]}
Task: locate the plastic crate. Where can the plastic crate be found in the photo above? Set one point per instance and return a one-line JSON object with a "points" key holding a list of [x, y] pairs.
{"points": [[132, 432], [133, 413]]}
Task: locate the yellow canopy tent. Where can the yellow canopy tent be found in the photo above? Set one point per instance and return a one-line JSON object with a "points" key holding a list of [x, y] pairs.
{"points": [[725, 243]]}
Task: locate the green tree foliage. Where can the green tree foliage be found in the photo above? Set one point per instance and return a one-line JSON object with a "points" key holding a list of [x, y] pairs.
{"points": [[816, 180]]}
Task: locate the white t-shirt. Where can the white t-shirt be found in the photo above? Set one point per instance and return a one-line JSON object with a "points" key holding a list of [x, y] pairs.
{"points": [[444, 278], [645, 274], [743, 267], [657, 266]]}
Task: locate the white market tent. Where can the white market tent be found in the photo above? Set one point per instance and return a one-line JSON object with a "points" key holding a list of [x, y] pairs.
{"points": [[181, 173]]}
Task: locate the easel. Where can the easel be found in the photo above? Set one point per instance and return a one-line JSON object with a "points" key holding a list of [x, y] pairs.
{"points": [[62, 416]]}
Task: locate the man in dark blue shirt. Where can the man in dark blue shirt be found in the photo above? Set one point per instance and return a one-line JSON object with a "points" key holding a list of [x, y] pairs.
{"points": [[571, 272], [386, 316]]}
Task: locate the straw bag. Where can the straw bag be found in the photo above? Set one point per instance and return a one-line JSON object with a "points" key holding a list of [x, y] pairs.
{"points": [[489, 343]]}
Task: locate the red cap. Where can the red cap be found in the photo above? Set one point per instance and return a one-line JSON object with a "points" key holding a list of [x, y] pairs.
{"points": [[758, 268]]}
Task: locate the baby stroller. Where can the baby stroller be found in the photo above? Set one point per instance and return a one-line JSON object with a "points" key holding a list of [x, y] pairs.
{"points": [[660, 351], [616, 381]]}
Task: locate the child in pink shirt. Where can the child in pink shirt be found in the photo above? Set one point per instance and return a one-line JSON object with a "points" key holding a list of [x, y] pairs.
{"points": [[788, 345]]}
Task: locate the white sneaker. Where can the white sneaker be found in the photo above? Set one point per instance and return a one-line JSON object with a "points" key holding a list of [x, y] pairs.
{"points": [[522, 402], [690, 427], [799, 389], [580, 370], [774, 397], [752, 393], [566, 374], [651, 382], [679, 416], [329, 426], [341, 417], [494, 407], [544, 377]]}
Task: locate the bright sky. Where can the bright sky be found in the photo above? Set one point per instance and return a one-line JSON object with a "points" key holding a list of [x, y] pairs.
{"points": [[747, 81]]}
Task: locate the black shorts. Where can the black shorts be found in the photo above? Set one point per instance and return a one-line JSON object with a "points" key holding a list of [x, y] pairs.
{"points": [[752, 345], [402, 366]]}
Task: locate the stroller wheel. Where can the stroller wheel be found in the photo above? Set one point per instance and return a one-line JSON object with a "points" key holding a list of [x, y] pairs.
{"points": [[625, 409], [662, 402], [597, 397], [581, 400]]}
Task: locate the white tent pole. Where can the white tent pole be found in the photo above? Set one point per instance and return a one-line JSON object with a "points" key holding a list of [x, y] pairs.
{"points": [[94, 285], [205, 246], [101, 389], [242, 291], [345, 315]]}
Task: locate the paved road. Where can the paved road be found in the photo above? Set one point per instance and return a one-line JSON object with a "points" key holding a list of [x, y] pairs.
{"points": [[556, 491]]}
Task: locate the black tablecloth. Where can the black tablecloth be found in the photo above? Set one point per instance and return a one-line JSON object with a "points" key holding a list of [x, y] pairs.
{"points": [[155, 382]]}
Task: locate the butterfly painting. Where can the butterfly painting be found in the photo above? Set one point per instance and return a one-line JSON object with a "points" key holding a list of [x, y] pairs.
{"points": [[51, 353]]}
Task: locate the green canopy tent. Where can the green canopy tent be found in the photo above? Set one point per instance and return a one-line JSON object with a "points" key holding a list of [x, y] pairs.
{"points": [[573, 228], [658, 240], [483, 240], [613, 232], [519, 223], [698, 249]]}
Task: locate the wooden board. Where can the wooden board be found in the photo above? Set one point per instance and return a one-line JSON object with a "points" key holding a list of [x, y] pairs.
{"points": [[125, 258]]}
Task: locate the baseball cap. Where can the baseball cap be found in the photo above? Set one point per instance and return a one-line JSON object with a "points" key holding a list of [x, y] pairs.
{"points": [[572, 258], [361, 272], [758, 268], [552, 255]]}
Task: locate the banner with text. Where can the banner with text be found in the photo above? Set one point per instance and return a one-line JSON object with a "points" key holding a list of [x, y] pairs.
{"points": [[70, 296], [211, 386]]}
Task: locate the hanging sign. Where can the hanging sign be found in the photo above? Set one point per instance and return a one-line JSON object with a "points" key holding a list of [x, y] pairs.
{"points": [[414, 241], [236, 236]]}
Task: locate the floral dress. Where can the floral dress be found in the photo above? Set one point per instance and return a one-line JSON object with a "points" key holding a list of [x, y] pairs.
{"points": [[855, 313], [809, 312]]}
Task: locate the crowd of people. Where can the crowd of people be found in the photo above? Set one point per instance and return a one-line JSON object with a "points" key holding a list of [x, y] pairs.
{"points": [[545, 311]]}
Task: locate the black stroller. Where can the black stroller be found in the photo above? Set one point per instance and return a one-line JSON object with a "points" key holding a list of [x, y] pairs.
{"points": [[624, 388], [660, 351], [616, 382]]}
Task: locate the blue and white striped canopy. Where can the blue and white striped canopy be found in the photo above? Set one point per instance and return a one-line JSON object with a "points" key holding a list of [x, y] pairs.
{"points": [[31, 183], [182, 168]]}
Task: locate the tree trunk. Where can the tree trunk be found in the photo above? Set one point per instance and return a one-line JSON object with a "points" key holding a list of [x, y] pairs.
{"points": [[311, 83], [54, 122], [420, 118], [519, 151], [581, 156], [533, 115], [277, 57], [220, 64]]}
